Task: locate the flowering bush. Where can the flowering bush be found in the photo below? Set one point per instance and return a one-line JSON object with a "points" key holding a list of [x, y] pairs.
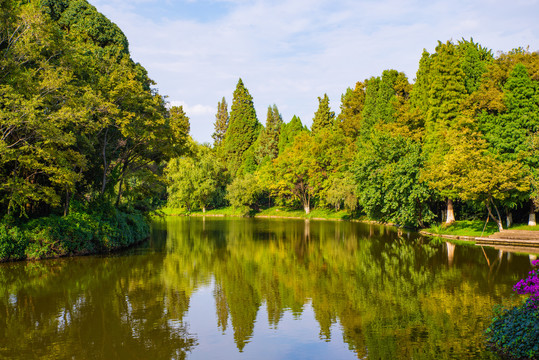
{"points": [[530, 285], [514, 333]]}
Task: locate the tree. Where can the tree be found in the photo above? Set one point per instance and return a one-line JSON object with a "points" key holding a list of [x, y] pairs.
{"points": [[243, 128], [323, 117], [510, 129], [289, 131], [244, 191], [195, 182], [352, 103], [221, 123], [268, 143], [448, 76]]}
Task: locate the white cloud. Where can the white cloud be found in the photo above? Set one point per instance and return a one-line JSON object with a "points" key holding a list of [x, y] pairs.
{"points": [[291, 52]]}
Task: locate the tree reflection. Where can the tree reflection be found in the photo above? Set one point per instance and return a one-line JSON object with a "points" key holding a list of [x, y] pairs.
{"points": [[91, 308], [394, 295]]}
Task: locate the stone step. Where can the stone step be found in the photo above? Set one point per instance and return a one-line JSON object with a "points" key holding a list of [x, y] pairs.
{"points": [[505, 241], [516, 234]]}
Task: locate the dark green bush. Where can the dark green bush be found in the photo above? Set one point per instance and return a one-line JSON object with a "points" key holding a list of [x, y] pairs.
{"points": [[514, 333], [13, 242], [99, 228]]}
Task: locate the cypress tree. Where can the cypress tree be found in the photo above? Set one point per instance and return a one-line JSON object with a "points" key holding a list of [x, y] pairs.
{"points": [[243, 127], [221, 123], [268, 146], [323, 117], [289, 132]]}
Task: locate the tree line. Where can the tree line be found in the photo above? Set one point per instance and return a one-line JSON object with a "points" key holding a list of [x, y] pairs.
{"points": [[84, 137], [462, 139], [78, 117]]}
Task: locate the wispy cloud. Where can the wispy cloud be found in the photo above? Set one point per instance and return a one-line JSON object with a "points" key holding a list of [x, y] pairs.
{"points": [[291, 52]]}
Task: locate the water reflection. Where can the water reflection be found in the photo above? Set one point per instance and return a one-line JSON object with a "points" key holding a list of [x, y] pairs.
{"points": [[201, 285]]}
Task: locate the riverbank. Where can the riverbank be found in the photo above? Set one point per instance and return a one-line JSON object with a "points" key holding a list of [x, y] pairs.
{"points": [[273, 212], [82, 232]]}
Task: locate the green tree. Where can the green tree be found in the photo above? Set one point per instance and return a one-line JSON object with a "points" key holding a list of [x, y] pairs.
{"points": [[195, 182], [268, 142], [221, 123], [243, 128], [448, 76], [323, 117], [244, 191], [352, 103], [289, 131]]}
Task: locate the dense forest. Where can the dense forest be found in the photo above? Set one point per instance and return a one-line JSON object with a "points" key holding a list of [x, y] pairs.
{"points": [[87, 145], [83, 136], [462, 137]]}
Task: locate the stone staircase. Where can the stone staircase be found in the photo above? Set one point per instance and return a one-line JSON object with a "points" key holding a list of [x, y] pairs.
{"points": [[513, 241]]}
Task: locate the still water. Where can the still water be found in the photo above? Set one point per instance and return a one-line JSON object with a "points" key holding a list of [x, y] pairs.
{"points": [[218, 288]]}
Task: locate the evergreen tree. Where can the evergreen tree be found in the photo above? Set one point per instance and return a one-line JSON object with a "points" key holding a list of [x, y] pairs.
{"points": [[352, 103], [221, 123], [444, 117], [289, 131], [243, 128], [323, 117], [268, 146]]}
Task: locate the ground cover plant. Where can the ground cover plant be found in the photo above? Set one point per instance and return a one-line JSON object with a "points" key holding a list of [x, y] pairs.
{"points": [[514, 332]]}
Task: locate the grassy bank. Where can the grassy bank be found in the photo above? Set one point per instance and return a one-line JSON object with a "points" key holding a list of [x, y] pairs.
{"points": [[474, 228], [82, 232], [270, 212]]}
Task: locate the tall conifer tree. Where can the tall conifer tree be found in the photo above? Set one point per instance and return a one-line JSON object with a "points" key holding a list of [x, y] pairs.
{"points": [[221, 123], [323, 117], [243, 127], [268, 146]]}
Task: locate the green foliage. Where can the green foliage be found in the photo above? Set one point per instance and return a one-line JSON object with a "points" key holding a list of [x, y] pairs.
{"points": [[78, 117], [195, 182], [86, 230], [389, 186], [13, 242], [268, 142], [244, 191], [323, 117], [514, 332], [289, 131], [465, 228], [352, 103], [221, 123], [243, 128]]}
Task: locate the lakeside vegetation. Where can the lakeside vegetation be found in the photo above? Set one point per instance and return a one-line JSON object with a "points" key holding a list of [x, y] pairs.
{"points": [[83, 136], [459, 143], [88, 146], [81, 123]]}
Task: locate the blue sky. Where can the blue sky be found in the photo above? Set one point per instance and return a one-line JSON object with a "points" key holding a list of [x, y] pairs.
{"points": [[291, 52]]}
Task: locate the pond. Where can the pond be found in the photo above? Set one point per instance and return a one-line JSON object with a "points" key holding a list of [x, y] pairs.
{"points": [[221, 288]]}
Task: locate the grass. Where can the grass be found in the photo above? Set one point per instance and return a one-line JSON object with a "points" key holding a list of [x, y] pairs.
{"points": [[273, 211], [525, 227], [464, 228], [314, 214], [473, 228]]}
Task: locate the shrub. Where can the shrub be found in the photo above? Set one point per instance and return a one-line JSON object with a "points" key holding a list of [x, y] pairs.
{"points": [[13, 243], [99, 228], [514, 333]]}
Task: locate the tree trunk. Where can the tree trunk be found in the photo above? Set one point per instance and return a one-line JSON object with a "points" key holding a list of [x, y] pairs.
{"points": [[105, 165], [203, 209], [307, 208], [68, 199], [498, 219], [509, 219], [119, 193], [531, 218], [450, 212]]}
